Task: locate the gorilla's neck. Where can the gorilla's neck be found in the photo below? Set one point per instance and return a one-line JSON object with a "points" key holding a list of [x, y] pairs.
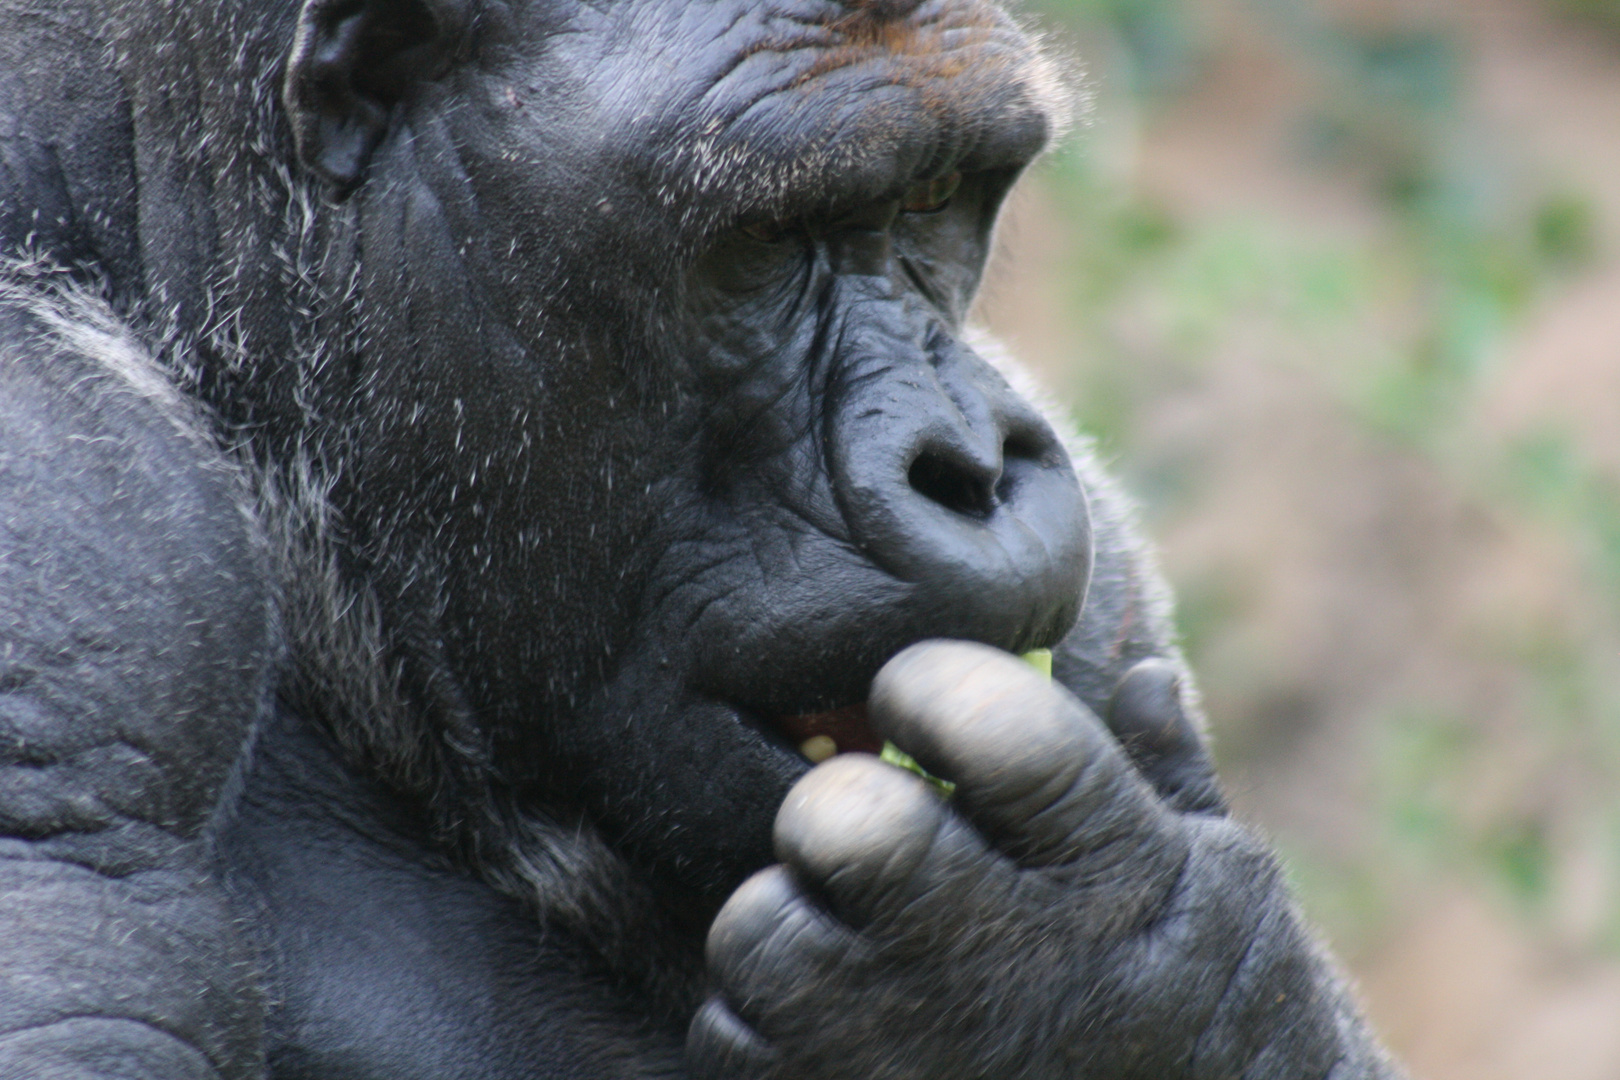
{"points": [[348, 674], [244, 232]]}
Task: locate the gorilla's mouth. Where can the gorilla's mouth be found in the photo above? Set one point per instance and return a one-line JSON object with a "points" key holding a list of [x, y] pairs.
{"points": [[820, 735]]}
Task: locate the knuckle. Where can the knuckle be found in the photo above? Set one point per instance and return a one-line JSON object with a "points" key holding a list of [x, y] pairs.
{"points": [[1146, 712]]}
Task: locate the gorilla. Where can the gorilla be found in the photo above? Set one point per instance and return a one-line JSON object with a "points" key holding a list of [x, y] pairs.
{"points": [[454, 456]]}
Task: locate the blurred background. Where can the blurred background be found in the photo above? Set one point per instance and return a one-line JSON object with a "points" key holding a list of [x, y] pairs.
{"points": [[1336, 285]]}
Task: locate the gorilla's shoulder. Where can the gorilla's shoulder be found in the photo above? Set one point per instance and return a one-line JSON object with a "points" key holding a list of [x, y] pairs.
{"points": [[133, 585]]}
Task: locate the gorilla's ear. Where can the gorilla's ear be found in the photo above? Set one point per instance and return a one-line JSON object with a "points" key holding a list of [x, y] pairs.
{"points": [[352, 62]]}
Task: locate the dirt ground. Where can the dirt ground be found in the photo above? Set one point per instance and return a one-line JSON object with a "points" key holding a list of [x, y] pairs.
{"points": [[1379, 586]]}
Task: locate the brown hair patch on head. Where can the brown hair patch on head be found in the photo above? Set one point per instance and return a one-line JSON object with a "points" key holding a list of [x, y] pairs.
{"points": [[937, 48], [883, 11]]}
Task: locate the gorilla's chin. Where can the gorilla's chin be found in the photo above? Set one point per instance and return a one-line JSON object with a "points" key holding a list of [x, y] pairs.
{"points": [[715, 772]]}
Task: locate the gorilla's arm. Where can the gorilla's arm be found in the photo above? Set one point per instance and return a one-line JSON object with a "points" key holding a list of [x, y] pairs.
{"points": [[135, 638]]}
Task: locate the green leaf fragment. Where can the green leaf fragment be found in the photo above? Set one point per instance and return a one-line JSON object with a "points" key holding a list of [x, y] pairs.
{"points": [[1040, 660], [899, 758]]}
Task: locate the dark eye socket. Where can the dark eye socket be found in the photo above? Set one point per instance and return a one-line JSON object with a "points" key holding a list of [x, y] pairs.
{"points": [[930, 196], [770, 232], [923, 197]]}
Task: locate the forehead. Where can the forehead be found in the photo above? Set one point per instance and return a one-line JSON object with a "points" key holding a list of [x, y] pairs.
{"points": [[767, 103]]}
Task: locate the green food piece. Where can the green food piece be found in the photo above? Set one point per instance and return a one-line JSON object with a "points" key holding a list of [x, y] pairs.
{"points": [[1040, 660], [898, 757]]}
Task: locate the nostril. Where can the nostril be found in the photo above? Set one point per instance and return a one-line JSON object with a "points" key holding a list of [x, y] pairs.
{"points": [[1023, 446], [1014, 450], [950, 485]]}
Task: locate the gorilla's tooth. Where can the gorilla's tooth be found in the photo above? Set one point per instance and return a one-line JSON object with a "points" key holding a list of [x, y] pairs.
{"points": [[818, 748]]}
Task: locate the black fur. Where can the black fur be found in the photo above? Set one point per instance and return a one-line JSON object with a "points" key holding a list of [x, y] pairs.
{"points": [[443, 443]]}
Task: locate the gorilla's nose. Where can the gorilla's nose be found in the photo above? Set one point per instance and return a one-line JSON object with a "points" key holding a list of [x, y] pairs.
{"points": [[952, 482]]}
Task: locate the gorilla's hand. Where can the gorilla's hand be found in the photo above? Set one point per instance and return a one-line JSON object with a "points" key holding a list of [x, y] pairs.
{"points": [[1074, 911]]}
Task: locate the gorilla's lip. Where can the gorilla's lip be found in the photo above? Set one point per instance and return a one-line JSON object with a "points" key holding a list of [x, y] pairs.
{"points": [[847, 727]]}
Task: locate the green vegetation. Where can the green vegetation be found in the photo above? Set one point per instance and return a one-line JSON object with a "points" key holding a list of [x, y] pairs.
{"points": [[1397, 323]]}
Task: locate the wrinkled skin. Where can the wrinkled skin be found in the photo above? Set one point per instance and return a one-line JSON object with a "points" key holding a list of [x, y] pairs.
{"points": [[1059, 895], [454, 448]]}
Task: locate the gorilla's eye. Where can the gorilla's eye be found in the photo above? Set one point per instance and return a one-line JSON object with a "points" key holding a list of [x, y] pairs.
{"points": [[770, 232], [930, 196]]}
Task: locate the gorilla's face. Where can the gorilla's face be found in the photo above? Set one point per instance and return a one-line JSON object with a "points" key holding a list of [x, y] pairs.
{"points": [[670, 422]]}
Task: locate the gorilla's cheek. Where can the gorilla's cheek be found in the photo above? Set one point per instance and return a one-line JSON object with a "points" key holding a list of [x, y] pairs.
{"points": [[706, 449]]}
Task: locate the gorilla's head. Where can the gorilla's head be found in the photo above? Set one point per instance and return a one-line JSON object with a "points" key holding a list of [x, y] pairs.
{"points": [[656, 430]]}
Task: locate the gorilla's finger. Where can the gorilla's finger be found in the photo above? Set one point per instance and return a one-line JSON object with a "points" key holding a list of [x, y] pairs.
{"points": [[881, 847], [719, 1046], [1147, 717], [1034, 768], [769, 938]]}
